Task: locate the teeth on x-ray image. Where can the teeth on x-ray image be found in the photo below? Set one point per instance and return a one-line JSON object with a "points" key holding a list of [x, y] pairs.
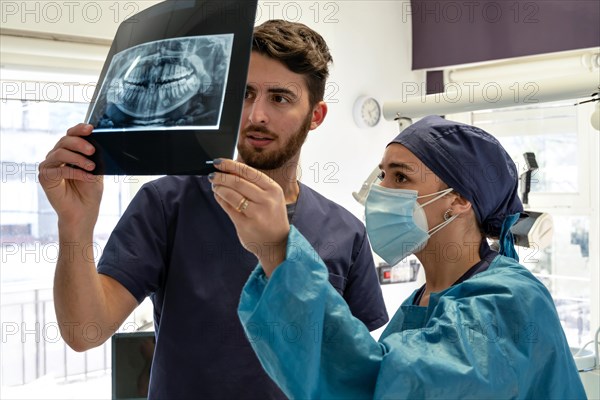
{"points": [[155, 85], [169, 83]]}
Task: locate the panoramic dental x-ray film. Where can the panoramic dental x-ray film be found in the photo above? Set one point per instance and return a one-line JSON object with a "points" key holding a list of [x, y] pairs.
{"points": [[171, 92]]}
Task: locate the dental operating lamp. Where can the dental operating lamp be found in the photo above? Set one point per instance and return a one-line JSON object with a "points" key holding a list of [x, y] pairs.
{"points": [[537, 228], [525, 178]]}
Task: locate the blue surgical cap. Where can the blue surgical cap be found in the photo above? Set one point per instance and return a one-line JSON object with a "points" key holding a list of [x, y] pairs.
{"points": [[472, 162]]}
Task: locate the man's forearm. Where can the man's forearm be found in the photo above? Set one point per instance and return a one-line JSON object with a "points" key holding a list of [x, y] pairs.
{"points": [[79, 297]]}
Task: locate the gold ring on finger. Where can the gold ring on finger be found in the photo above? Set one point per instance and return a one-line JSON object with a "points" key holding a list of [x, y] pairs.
{"points": [[242, 205]]}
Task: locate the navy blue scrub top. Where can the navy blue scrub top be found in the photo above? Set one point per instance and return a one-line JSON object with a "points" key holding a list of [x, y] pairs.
{"points": [[175, 244]]}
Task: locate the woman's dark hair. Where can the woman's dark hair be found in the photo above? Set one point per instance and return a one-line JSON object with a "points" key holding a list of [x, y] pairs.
{"points": [[299, 48]]}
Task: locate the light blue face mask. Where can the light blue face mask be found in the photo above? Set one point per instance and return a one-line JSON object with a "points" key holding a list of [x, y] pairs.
{"points": [[396, 223]]}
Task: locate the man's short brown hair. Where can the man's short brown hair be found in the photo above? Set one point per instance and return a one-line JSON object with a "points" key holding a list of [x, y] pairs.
{"points": [[299, 48]]}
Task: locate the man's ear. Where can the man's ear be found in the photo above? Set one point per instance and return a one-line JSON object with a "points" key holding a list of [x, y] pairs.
{"points": [[318, 114]]}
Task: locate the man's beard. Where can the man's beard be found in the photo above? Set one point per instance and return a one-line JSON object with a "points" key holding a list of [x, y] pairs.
{"points": [[256, 158]]}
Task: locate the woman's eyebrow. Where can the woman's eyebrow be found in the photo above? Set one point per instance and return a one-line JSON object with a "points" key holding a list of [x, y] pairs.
{"points": [[399, 165]]}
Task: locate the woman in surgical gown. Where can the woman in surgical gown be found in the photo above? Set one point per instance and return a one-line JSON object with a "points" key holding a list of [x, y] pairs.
{"points": [[482, 326]]}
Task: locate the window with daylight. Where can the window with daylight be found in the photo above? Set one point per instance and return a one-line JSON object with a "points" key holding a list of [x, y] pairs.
{"points": [[35, 362]]}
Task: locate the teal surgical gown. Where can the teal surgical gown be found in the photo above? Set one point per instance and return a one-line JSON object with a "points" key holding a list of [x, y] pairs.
{"points": [[496, 335]]}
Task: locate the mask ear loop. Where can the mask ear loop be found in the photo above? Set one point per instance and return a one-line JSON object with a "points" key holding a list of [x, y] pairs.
{"points": [[447, 219], [441, 194]]}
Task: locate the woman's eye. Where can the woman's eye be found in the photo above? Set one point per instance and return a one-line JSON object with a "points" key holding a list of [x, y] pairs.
{"points": [[400, 178]]}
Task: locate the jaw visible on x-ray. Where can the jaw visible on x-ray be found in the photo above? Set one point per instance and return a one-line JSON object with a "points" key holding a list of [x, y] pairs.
{"points": [[156, 85], [169, 83]]}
